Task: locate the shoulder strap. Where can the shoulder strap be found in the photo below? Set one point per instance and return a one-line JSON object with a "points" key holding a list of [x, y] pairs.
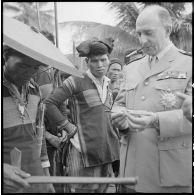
{"points": [[185, 52]]}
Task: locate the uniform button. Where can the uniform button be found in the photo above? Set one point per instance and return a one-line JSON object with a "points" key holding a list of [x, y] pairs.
{"points": [[146, 83], [143, 98]]}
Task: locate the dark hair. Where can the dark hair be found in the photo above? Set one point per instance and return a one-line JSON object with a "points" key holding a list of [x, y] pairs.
{"points": [[8, 51]]}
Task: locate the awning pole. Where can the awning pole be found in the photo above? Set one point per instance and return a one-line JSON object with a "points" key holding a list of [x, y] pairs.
{"points": [[38, 15], [56, 24]]}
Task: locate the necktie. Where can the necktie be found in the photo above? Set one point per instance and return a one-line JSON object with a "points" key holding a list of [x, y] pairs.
{"points": [[152, 61]]}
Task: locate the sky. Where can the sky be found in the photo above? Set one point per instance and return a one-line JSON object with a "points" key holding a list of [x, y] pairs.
{"points": [[85, 11], [89, 11], [82, 11]]}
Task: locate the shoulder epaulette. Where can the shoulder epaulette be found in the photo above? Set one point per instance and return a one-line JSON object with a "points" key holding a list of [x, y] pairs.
{"points": [[185, 52], [135, 60]]}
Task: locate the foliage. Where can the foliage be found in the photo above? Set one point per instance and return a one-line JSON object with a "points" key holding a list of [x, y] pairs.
{"points": [[127, 13], [28, 14], [182, 23]]}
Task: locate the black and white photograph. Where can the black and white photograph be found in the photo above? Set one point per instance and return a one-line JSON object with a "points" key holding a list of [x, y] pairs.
{"points": [[97, 97]]}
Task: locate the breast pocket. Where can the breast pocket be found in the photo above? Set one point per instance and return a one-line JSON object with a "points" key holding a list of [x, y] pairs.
{"points": [[130, 95], [171, 84], [166, 92]]}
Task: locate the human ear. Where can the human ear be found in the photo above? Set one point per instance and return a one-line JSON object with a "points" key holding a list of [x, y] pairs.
{"points": [[87, 62], [168, 30], [5, 57]]}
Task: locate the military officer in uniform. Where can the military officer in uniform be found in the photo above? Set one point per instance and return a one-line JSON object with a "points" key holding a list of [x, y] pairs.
{"points": [[156, 144]]}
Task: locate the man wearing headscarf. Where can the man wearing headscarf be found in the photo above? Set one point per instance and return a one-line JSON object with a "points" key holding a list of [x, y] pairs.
{"points": [[95, 145]]}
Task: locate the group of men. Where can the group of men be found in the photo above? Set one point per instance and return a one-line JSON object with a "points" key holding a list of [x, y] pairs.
{"points": [[147, 126]]}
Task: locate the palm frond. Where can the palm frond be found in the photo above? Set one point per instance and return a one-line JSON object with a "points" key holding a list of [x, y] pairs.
{"points": [[10, 6], [127, 14]]}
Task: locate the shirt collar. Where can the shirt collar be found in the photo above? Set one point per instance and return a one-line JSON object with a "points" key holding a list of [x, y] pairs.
{"points": [[106, 80]]}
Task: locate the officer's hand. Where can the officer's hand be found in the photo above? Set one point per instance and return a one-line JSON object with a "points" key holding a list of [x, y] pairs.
{"points": [[120, 120], [142, 121], [14, 179], [187, 105]]}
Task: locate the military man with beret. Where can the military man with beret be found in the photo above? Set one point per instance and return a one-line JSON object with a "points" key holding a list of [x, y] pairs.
{"points": [[95, 146], [157, 138]]}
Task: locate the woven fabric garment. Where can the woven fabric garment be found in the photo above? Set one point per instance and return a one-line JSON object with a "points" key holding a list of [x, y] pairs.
{"points": [[21, 133], [75, 168]]}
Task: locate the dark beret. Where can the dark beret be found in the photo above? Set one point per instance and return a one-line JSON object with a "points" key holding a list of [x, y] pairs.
{"points": [[95, 47]]}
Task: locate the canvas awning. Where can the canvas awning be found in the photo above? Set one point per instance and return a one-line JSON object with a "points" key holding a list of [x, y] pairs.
{"points": [[32, 43]]}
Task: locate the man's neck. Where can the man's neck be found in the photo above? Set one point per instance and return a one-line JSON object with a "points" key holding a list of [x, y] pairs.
{"points": [[167, 44], [101, 80]]}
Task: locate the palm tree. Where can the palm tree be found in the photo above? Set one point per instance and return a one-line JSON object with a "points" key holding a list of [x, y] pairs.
{"points": [[182, 24], [27, 12], [127, 13]]}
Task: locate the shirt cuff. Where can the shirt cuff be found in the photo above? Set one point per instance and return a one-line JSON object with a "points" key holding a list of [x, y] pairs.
{"points": [[45, 164]]}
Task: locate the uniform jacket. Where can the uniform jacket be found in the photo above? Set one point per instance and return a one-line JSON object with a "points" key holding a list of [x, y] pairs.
{"points": [[162, 162]]}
